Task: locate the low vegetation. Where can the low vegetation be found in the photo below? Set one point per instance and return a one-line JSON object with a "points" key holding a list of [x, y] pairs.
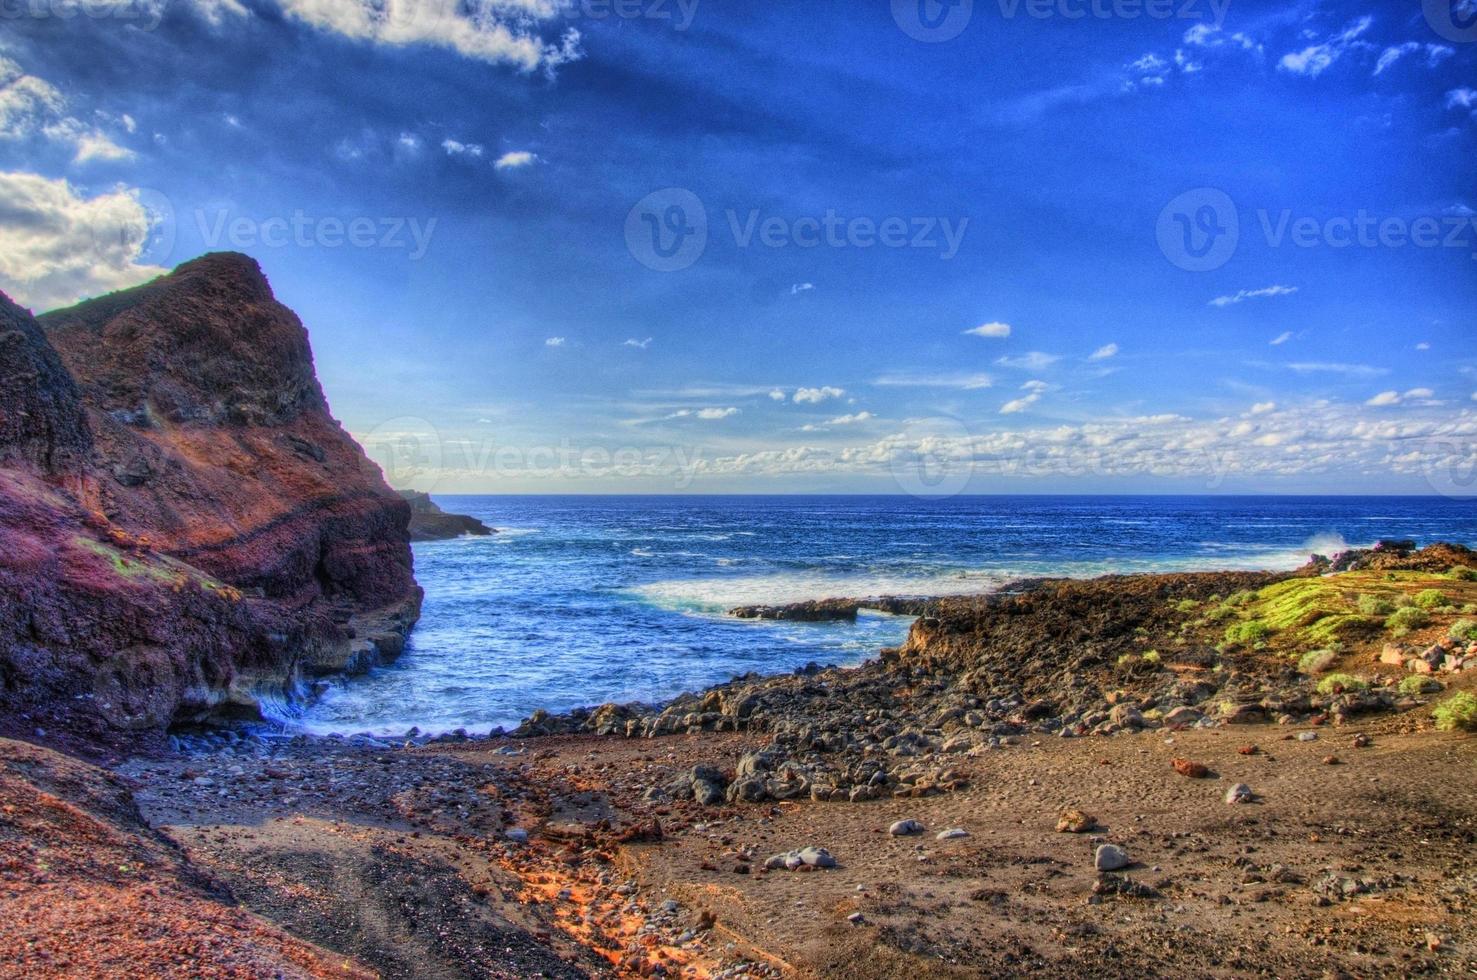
{"points": [[1405, 620], [1457, 713], [1432, 599], [1334, 683]]}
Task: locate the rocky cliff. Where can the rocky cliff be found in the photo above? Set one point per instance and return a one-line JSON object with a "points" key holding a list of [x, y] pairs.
{"points": [[185, 530]]}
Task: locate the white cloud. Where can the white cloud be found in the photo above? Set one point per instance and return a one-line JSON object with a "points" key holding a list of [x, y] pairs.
{"points": [[495, 31], [1104, 352], [1262, 408], [638, 344], [456, 148], [1387, 398], [1328, 367], [516, 160], [57, 246], [30, 106], [1435, 54], [705, 414], [1034, 390], [801, 287], [1281, 338], [851, 419], [1315, 59], [556, 342], [776, 395], [814, 396], [26, 102], [1461, 98], [1423, 345], [995, 329], [1246, 294], [961, 381], [1030, 361]]}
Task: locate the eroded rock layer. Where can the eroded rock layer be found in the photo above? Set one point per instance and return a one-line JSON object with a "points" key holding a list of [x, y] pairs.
{"points": [[185, 530]]}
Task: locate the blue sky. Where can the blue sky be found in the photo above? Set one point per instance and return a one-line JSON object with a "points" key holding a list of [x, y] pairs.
{"points": [[1157, 247]]}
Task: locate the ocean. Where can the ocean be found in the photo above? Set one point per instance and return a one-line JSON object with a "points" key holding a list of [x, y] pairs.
{"points": [[582, 600]]}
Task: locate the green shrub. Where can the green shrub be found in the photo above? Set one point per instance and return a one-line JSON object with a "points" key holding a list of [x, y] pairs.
{"points": [[1249, 633], [1432, 599], [1458, 712], [1375, 605], [1416, 684], [1407, 619], [1244, 598], [1186, 605], [1152, 657], [1464, 630], [1221, 613], [1341, 682], [1127, 659], [1462, 573], [1316, 661]]}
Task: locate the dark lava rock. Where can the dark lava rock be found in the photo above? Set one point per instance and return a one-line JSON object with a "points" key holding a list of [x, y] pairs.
{"points": [[428, 522]]}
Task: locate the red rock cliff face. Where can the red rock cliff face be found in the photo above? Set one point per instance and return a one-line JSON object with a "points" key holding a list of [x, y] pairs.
{"points": [[184, 528]]}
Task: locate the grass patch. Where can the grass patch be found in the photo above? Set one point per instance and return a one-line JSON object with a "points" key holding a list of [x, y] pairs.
{"points": [[1457, 713], [1375, 605], [1416, 684], [1407, 619], [1464, 630], [1249, 633], [1186, 606], [1334, 683], [1432, 599], [1462, 573]]}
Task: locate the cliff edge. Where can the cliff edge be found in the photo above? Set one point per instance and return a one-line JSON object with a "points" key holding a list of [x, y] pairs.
{"points": [[185, 530]]}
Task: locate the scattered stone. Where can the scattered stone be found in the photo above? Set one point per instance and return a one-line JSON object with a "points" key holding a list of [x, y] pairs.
{"points": [[1193, 770], [1240, 793], [1361, 741], [856, 918], [906, 828], [1075, 822], [953, 833], [1107, 884], [1307, 736], [518, 835], [1332, 760], [1110, 857], [1248, 750]]}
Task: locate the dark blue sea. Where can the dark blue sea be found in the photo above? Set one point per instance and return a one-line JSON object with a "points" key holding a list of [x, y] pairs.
{"points": [[582, 600]]}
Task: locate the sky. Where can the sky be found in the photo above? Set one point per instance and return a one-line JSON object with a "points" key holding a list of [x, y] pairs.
{"points": [[879, 246]]}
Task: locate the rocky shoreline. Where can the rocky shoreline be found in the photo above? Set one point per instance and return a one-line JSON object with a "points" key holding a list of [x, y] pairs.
{"points": [[1090, 778]]}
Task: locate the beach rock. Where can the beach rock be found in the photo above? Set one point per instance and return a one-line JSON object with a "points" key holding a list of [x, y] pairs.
{"points": [[953, 833], [1183, 717], [1193, 770], [1075, 822], [1240, 793], [904, 828], [428, 522], [1110, 857]]}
